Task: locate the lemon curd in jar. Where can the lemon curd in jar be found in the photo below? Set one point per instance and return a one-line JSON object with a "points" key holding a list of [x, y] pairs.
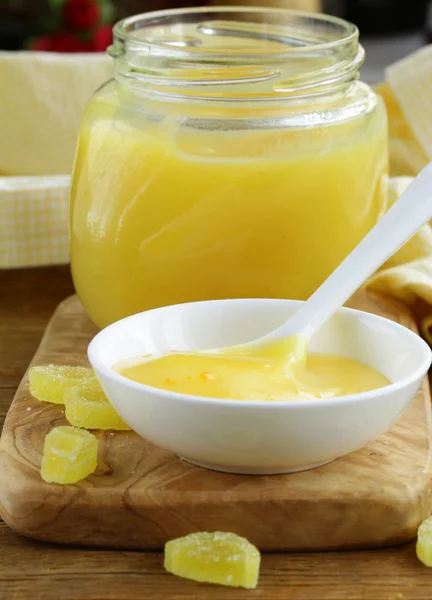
{"points": [[242, 190]]}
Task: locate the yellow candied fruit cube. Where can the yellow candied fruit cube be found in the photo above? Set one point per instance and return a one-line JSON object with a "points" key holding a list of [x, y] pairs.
{"points": [[48, 383], [424, 542], [217, 557], [87, 406], [69, 455]]}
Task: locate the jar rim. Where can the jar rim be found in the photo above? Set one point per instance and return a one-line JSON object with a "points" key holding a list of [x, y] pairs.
{"points": [[124, 29], [184, 53]]}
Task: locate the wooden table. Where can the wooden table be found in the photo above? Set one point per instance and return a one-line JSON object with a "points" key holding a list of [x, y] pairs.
{"points": [[30, 570]]}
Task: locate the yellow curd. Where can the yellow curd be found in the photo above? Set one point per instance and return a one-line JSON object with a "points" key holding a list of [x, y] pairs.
{"points": [[162, 216], [271, 374]]}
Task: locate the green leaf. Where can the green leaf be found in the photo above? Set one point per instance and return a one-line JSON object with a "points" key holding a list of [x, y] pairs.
{"points": [[28, 42], [57, 4], [85, 36], [49, 24], [107, 11]]}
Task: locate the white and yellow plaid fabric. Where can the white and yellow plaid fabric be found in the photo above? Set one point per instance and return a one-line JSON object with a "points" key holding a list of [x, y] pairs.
{"points": [[43, 95], [34, 220]]}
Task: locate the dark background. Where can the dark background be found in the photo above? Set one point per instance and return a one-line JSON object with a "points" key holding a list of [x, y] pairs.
{"points": [[382, 16], [18, 18], [390, 29]]}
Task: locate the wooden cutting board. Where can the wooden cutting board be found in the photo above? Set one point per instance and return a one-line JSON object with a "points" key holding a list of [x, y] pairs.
{"points": [[141, 495]]}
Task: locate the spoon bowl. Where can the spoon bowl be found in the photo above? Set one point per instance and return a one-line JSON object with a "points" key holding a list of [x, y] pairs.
{"points": [[258, 437]]}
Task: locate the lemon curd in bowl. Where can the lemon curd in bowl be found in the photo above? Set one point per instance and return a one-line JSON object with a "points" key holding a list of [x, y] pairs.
{"points": [[258, 436], [267, 374], [234, 154]]}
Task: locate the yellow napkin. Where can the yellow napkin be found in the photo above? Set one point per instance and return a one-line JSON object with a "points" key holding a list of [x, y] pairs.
{"points": [[407, 92], [407, 276], [43, 95], [34, 220]]}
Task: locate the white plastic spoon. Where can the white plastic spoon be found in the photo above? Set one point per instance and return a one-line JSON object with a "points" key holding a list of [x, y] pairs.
{"points": [[412, 210]]}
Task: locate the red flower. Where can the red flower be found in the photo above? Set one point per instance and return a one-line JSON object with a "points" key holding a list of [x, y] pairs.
{"points": [[102, 38], [65, 41], [42, 44], [81, 14]]}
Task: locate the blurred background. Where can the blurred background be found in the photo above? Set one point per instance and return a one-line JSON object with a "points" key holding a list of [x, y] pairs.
{"points": [[390, 29]]}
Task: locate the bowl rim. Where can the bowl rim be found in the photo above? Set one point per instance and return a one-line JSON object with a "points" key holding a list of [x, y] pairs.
{"points": [[99, 365]]}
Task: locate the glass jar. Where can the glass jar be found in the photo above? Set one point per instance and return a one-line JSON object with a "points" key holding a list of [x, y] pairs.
{"points": [[234, 154]]}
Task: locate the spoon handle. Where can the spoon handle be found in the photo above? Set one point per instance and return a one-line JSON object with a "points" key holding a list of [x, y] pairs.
{"points": [[412, 210]]}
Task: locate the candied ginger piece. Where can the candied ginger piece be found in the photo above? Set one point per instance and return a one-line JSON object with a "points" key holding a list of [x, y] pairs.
{"points": [[216, 557], [69, 455], [424, 542], [48, 383], [88, 407]]}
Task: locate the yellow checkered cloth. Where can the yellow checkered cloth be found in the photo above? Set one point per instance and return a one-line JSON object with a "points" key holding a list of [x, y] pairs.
{"points": [[34, 220], [43, 95]]}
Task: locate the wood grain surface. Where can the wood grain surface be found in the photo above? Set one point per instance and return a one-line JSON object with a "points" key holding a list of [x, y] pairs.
{"points": [[41, 571], [141, 496]]}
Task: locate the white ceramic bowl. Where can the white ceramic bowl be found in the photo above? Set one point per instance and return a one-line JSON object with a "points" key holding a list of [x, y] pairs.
{"points": [[258, 437]]}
